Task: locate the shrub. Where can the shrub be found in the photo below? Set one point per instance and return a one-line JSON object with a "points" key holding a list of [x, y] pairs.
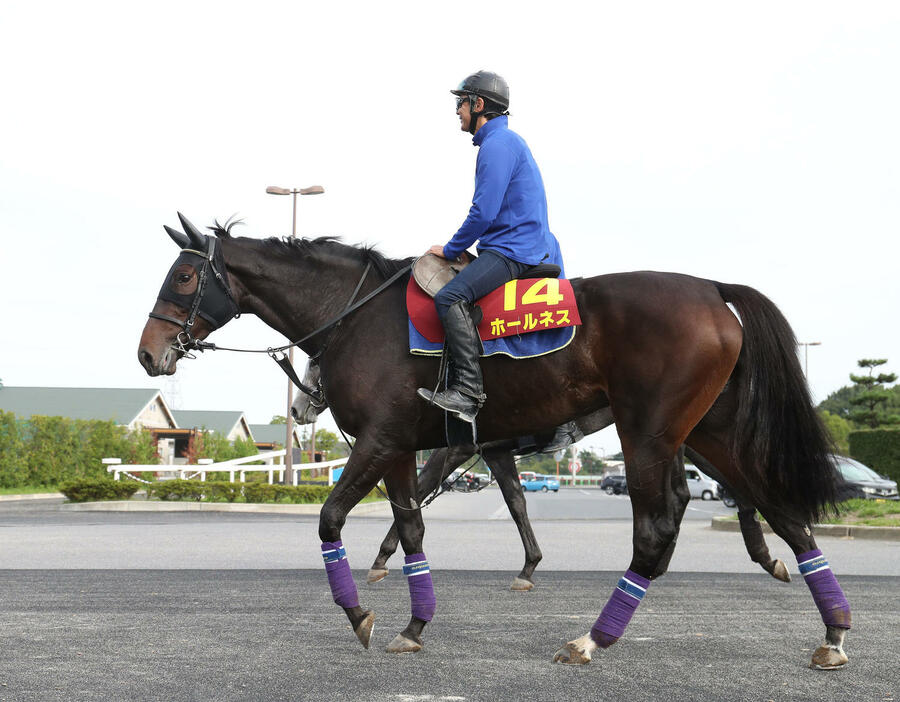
{"points": [[46, 451], [13, 467], [879, 449], [93, 489], [178, 490]]}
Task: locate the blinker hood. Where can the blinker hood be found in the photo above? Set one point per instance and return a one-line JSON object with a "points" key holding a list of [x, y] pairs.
{"points": [[215, 304]]}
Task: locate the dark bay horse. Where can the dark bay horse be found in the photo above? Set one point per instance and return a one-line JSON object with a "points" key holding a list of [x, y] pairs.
{"points": [[500, 457], [662, 350]]}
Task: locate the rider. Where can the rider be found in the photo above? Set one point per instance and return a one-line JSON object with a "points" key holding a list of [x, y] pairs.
{"points": [[508, 218]]}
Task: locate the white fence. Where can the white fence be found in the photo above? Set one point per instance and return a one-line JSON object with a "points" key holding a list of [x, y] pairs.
{"points": [[584, 480], [237, 466]]}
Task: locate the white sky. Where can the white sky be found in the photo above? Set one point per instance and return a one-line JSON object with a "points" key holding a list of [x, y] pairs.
{"points": [[751, 143]]}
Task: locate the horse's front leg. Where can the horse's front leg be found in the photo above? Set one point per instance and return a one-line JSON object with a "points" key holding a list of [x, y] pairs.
{"points": [[503, 466], [402, 486], [366, 466]]}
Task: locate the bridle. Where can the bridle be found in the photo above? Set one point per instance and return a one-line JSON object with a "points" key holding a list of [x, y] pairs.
{"points": [[215, 314], [221, 307]]}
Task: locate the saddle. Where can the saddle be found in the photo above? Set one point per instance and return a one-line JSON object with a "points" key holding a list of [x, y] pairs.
{"points": [[432, 272]]}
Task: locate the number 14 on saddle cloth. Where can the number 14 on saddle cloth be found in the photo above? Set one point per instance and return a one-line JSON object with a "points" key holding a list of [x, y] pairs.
{"points": [[523, 318]]}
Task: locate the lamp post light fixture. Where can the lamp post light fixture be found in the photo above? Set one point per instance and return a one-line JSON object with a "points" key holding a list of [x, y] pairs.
{"points": [[289, 433], [806, 345]]}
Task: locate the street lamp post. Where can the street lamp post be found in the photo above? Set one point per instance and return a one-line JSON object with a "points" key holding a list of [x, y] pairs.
{"points": [[289, 433], [806, 345]]}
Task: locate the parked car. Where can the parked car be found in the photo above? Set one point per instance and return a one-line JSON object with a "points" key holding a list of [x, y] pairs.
{"points": [[544, 483], [862, 482], [700, 485], [726, 497], [483, 479], [466, 483], [614, 485]]}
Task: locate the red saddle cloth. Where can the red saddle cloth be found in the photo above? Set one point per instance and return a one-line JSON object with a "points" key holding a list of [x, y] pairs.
{"points": [[520, 306]]}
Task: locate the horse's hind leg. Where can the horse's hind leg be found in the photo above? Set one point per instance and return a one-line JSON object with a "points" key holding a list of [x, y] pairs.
{"points": [[755, 542], [827, 594], [657, 513], [751, 530], [439, 465], [503, 466]]}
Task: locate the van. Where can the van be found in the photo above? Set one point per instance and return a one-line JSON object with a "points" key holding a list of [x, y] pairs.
{"points": [[700, 485]]}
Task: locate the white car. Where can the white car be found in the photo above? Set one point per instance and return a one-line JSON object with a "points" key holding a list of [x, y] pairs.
{"points": [[700, 485]]}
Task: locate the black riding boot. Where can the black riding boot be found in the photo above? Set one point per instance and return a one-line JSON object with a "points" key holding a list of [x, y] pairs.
{"points": [[566, 435], [465, 395]]}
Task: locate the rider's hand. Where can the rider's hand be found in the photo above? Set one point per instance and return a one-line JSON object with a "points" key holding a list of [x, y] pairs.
{"points": [[437, 250]]}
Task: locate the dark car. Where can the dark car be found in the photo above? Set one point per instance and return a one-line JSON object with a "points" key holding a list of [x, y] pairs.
{"points": [[862, 482], [614, 485]]}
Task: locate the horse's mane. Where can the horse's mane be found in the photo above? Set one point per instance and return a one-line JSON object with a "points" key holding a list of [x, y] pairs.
{"points": [[286, 247]]}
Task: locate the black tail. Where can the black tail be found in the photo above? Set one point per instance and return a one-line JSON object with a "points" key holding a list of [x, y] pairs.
{"points": [[778, 436]]}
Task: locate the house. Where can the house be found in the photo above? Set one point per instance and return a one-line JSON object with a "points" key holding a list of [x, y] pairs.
{"points": [[268, 437], [229, 423], [133, 408], [128, 407]]}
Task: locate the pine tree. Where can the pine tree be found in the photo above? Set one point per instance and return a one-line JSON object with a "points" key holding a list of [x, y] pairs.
{"points": [[872, 395]]}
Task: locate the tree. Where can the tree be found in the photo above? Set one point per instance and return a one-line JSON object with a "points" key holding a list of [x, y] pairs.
{"points": [[590, 462], [325, 441], [872, 395], [839, 429], [278, 419]]}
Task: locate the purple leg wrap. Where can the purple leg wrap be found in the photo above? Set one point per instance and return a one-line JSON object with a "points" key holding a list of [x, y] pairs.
{"points": [[421, 589], [826, 592], [343, 589], [611, 623]]}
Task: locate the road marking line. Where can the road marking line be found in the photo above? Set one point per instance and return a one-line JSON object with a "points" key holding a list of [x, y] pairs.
{"points": [[501, 513]]}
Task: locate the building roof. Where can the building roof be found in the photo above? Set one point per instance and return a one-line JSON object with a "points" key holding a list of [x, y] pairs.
{"points": [[272, 433], [122, 405], [221, 421]]}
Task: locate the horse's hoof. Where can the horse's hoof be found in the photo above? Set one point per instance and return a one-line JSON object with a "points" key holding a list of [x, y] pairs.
{"points": [[376, 574], [364, 630], [828, 658], [570, 655], [780, 571], [401, 644], [521, 585]]}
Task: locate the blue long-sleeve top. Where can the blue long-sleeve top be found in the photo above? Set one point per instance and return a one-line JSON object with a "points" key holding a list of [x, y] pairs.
{"points": [[509, 208]]}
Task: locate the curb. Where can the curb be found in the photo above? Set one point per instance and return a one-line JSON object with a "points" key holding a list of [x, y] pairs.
{"points": [[844, 531], [160, 506], [32, 496]]}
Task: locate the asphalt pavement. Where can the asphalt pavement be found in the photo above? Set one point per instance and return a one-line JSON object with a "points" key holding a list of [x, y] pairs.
{"points": [[275, 635], [213, 606]]}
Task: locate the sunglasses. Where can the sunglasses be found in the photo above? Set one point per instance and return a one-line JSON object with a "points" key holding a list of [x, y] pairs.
{"points": [[461, 100]]}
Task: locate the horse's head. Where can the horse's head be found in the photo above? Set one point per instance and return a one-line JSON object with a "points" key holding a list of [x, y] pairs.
{"points": [[194, 300]]}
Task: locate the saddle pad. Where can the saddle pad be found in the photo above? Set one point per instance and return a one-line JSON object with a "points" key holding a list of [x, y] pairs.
{"points": [[521, 319]]}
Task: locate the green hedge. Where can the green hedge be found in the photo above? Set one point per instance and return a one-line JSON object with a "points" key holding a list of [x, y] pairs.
{"points": [[219, 491], [194, 490], [92, 490], [300, 494], [47, 451], [879, 449], [88, 489]]}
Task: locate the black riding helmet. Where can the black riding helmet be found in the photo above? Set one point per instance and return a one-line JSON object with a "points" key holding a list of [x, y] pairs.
{"points": [[493, 89]]}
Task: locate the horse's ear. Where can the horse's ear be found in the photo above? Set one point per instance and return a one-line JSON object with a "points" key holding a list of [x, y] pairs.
{"points": [[179, 238], [198, 240]]}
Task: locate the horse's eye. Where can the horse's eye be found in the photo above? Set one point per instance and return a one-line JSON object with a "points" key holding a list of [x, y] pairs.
{"points": [[183, 280]]}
